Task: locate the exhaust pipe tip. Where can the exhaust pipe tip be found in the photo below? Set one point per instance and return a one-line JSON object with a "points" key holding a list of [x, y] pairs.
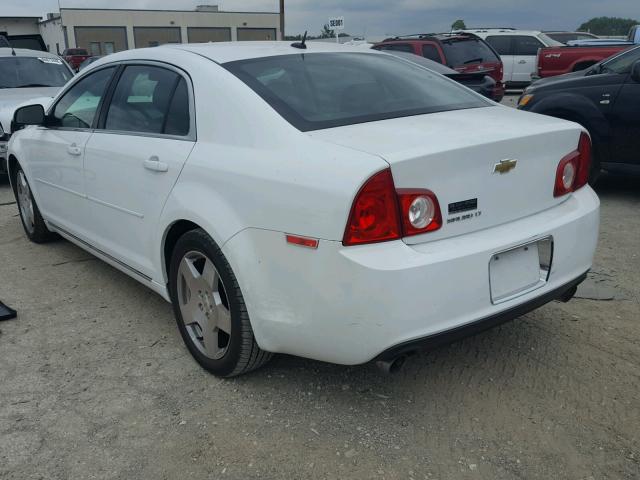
{"points": [[568, 295], [393, 365]]}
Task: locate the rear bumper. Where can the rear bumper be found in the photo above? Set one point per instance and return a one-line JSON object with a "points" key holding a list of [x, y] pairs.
{"points": [[433, 341], [348, 305]]}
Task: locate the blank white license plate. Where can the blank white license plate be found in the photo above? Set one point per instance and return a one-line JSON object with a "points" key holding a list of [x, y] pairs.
{"points": [[514, 272]]}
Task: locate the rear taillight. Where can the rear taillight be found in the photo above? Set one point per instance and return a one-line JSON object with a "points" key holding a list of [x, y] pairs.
{"points": [[420, 211], [573, 170], [374, 214], [380, 213]]}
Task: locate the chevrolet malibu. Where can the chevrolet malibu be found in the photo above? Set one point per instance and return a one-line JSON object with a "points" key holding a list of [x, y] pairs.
{"points": [[336, 204]]}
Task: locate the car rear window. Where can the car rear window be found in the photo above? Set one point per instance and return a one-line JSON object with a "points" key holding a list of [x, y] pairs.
{"points": [[465, 51], [77, 51], [323, 90]]}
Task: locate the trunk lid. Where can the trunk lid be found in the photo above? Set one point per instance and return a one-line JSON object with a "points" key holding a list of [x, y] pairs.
{"points": [[454, 154]]}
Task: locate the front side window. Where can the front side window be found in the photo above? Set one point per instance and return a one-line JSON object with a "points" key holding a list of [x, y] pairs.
{"points": [[26, 72], [527, 46], [622, 63], [78, 106], [143, 99], [324, 90]]}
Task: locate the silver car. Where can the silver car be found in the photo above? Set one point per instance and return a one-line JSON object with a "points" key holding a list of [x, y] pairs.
{"points": [[26, 76]]}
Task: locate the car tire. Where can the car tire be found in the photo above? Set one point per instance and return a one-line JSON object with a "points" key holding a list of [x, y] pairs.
{"points": [[32, 221], [209, 308]]}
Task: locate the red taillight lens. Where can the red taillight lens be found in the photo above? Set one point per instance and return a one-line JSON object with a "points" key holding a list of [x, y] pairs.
{"points": [[420, 211], [573, 170], [584, 162], [374, 214], [380, 213]]}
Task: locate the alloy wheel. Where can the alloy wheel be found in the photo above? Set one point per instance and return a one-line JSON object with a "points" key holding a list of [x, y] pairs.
{"points": [[203, 304], [25, 202]]}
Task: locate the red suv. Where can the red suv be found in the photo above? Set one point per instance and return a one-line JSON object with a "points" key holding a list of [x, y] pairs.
{"points": [[464, 52]]}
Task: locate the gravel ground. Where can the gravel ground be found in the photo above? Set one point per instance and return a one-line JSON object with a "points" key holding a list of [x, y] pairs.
{"points": [[95, 383]]}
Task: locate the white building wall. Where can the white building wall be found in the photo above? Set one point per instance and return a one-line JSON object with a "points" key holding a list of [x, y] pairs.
{"points": [[19, 26], [163, 18], [52, 35]]}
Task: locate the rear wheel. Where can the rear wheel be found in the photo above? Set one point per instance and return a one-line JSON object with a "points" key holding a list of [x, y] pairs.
{"points": [[209, 308], [32, 221]]}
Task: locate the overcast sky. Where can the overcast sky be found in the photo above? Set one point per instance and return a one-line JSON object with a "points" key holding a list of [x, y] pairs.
{"points": [[380, 17]]}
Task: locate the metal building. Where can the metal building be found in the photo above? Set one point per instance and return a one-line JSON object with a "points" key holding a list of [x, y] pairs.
{"points": [[104, 31]]}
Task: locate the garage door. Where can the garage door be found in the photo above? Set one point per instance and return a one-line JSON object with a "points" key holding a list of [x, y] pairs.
{"points": [[101, 40], [154, 36], [208, 34], [256, 34]]}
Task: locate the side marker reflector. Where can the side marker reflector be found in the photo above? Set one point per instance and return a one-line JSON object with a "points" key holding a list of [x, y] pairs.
{"points": [[302, 241]]}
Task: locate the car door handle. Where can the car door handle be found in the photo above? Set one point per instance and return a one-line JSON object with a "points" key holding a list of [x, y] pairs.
{"points": [[522, 62], [74, 150], [154, 164]]}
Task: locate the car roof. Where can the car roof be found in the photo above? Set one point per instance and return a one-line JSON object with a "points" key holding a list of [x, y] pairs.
{"points": [[493, 31], [223, 52], [23, 52], [429, 37]]}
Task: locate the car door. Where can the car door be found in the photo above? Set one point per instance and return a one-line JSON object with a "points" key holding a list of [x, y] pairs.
{"points": [[56, 151], [503, 44], [525, 49], [625, 110], [145, 134]]}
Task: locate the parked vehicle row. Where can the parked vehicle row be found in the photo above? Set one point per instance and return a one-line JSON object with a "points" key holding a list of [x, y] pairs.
{"points": [[605, 99], [518, 50], [337, 203], [463, 52], [479, 82]]}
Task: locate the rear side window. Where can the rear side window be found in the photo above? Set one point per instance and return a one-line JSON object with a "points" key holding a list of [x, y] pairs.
{"points": [[323, 90], [142, 100], [396, 47], [431, 52], [467, 51], [524, 45], [501, 43]]}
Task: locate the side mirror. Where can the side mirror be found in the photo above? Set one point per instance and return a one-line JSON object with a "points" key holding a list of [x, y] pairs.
{"points": [[28, 115], [635, 71]]}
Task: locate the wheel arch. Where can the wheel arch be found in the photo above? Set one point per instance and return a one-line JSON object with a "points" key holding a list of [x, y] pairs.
{"points": [[171, 235], [12, 163]]}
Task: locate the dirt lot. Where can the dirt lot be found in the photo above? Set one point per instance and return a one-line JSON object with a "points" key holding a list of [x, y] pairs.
{"points": [[95, 383]]}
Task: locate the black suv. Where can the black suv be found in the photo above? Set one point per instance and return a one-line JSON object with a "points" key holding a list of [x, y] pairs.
{"points": [[605, 99]]}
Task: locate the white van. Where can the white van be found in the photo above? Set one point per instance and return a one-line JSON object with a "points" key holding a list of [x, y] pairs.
{"points": [[518, 50]]}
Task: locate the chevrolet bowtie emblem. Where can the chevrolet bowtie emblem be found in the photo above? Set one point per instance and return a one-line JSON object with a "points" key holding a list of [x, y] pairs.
{"points": [[505, 166]]}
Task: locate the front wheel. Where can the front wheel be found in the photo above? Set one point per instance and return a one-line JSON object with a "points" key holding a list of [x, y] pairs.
{"points": [[209, 308], [32, 221]]}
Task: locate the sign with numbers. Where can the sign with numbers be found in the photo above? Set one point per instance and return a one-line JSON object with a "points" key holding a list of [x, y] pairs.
{"points": [[336, 23]]}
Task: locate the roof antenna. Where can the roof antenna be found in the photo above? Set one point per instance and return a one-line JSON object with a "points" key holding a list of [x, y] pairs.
{"points": [[303, 44]]}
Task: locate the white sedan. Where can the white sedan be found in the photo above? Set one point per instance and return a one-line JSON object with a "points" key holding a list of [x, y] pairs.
{"points": [[337, 204]]}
